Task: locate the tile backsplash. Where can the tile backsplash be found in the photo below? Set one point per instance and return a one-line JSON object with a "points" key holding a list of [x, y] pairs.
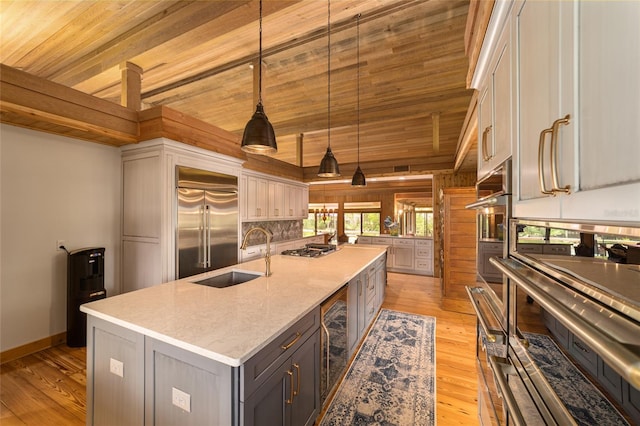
{"points": [[282, 230]]}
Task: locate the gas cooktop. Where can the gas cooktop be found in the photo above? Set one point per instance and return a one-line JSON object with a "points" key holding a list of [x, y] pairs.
{"points": [[311, 250]]}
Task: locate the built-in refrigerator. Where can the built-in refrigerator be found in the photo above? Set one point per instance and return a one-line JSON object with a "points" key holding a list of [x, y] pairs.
{"points": [[207, 232]]}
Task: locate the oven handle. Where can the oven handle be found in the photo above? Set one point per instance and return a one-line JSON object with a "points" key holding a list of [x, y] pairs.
{"points": [[616, 354], [499, 370], [492, 336]]}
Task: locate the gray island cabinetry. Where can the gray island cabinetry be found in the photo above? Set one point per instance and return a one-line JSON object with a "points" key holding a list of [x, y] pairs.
{"points": [[249, 354]]}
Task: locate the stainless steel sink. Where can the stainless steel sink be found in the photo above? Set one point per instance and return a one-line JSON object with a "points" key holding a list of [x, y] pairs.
{"points": [[228, 279]]}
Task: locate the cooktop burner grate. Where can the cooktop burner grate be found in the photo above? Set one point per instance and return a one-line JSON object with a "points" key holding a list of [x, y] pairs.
{"points": [[311, 250]]}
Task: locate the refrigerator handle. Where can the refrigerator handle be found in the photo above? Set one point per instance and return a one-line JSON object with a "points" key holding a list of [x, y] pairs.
{"points": [[207, 236], [203, 238]]}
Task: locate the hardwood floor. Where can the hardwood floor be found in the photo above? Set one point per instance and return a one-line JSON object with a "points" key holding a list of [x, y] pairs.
{"points": [[48, 388], [456, 377]]}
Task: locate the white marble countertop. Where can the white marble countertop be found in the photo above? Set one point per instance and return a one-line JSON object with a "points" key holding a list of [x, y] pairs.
{"points": [[232, 324]]}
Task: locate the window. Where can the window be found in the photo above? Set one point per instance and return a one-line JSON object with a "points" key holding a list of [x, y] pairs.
{"points": [[361, 219], [424, 222]]}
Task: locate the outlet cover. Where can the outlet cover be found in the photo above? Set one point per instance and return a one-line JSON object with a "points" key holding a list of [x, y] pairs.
{"points": [[181, 399], [116, 367]]}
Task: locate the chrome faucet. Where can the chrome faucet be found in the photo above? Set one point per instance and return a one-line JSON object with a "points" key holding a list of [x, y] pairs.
{"points": [[267, 256]]}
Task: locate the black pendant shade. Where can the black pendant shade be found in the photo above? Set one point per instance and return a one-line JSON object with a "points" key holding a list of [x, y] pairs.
{"points": [[358, 178], [259, 137], [329, 165]]}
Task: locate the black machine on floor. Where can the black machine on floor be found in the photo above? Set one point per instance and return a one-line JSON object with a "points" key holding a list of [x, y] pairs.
{"points": [[85, 283]]}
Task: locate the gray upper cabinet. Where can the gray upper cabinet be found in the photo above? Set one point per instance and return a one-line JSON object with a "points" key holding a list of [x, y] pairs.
{"points": [[578, 104]]}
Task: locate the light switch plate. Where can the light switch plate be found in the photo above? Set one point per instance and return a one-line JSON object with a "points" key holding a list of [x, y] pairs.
{"points": [[116, 367], [181, 399]]}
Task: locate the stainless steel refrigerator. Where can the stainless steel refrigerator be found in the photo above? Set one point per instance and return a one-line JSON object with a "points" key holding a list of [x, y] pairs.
{"points": [[207, 234]]}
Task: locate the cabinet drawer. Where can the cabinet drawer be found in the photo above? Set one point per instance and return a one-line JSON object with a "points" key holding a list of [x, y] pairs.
{"points": [[403, 243], [257, 369], [381, 241], [364, 240], [423, 265], [424, 243], [530, 248], [382, 260], [370, 311], [583, 354], [423, 252], [493, 247], [560, 249]]}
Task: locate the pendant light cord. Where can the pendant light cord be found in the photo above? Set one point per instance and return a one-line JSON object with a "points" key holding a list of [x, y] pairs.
{"points": [[358, 86], [329, 73], [260, 59]]}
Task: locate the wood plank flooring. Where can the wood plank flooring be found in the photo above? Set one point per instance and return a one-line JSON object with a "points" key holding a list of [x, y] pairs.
{"points": [[48, 388]]}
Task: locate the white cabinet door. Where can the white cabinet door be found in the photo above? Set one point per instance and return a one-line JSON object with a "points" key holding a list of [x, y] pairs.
{"points": [[403, 254], [495, 130], [257, 198], [579, 100], [293, 208], [485, 129], [607, 185], [276, 200], [540, 104], [503, 99]]}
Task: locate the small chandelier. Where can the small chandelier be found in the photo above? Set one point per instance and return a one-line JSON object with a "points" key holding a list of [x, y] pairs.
{"points": [[259, 137], [358, 177], [324, 212], [329, 164]]}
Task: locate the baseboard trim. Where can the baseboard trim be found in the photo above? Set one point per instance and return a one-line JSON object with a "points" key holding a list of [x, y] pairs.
{"points": [[33, 347]]}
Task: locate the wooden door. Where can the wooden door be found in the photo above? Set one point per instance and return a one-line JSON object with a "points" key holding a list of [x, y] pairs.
{"points": [[459, 248]]}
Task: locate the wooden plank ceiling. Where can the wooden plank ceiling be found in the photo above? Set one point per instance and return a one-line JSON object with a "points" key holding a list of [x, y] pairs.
{"points": [[195, 57]]}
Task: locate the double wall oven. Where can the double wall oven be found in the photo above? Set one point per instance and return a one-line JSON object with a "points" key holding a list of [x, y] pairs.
{"points": [[559, 336], [565, 348]]}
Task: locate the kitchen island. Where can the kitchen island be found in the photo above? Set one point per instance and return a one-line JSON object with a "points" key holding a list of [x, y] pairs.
{"points": [[188, 353]]}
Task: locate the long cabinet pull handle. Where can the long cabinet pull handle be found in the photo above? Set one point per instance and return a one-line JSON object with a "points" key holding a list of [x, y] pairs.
{"points": [[297, 391], [543, 187], [290, 400], [293, 342], [485, 133], [554, 154]]}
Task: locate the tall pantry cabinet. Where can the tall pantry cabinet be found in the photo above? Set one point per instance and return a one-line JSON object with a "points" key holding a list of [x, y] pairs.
{"points": [[149, 206]]}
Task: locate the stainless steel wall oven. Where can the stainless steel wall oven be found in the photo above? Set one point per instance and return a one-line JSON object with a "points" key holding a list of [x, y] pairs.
{"points": [[570, 352], [490, 297]]}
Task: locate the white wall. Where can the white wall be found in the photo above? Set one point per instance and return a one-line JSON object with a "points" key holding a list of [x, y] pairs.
{"points": [[51, 188]]}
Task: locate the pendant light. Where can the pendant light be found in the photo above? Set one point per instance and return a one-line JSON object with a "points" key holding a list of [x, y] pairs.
{"points": [[329, 164], [259, 137], [358, 177]]}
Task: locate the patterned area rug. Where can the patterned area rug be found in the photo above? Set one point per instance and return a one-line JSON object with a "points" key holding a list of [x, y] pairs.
{"points": [[391, 381], [584, 401]]}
